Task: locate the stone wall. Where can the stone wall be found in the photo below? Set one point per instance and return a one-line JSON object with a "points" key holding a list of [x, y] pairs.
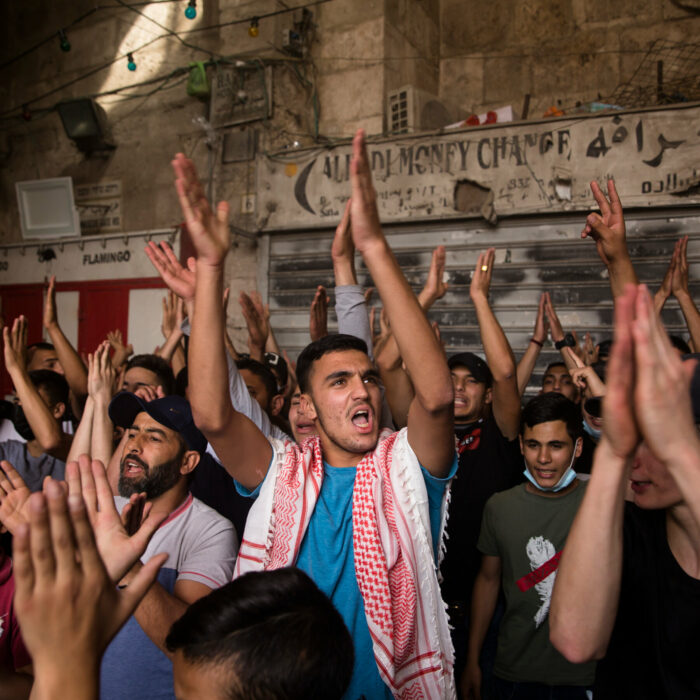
{"points": [[475, 55], [559, 51]]}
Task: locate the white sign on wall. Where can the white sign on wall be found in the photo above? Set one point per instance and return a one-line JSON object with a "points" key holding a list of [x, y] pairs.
{"points": [[654, 157], [99, 207], [119, 257]]}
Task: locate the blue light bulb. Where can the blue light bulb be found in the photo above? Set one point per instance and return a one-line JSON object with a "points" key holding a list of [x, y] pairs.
{"points": [[191, 11], [131, 64]]}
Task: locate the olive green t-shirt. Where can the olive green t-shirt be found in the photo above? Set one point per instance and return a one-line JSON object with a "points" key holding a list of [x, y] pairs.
{"points": [[527, 531]]}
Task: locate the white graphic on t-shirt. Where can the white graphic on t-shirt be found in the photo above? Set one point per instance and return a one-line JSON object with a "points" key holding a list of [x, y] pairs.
{"points": [[540, 550], [2, 622]]}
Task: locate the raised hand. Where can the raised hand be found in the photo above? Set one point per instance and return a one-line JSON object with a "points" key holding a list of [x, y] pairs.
{"points": [[619, 421], [553, 319], [679, 277], [607, 229], [366, 229], [434, 288], [481, 279], [662, 388], [121, 351], [180, 280], [16, 345], [254, 315], [14, 496], [121, 540], [343, 251], [50, 317], [101, 375], [167, 323], [67, 605], [539, 334], [208, 229], [586, 378], [318, 316], [590, 352]]}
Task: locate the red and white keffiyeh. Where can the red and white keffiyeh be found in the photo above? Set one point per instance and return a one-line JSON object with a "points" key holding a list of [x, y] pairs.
{"points": [[394, 561]]}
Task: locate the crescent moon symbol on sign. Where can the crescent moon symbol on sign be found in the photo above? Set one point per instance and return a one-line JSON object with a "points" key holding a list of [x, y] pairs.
{"points": [[300, 187]]}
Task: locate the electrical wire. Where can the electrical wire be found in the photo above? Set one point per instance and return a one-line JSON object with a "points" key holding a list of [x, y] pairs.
{"points": [[18, 108]]}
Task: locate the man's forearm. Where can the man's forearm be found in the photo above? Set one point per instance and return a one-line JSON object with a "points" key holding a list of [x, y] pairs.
{"points": [[45, 428], [692, 318], [77, 679], [499, 355], [527, 365], [83, 435], [157, 612], [582, 616], [208, 380], [483, 605], [73, 367], [419, 348], [621, 272]]}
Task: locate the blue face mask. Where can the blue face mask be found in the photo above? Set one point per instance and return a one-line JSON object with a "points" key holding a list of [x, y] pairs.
{"points": [[595, 434], [566, 478]]}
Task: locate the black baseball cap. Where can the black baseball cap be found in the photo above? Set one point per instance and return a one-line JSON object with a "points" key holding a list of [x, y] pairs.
{"points": [[171, 411], [478, 368]]}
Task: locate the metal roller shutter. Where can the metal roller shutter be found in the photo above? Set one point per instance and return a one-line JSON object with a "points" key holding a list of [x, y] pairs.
{"points": [[533, 254]]}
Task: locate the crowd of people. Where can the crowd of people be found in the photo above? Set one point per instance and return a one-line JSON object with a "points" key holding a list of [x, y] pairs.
{"points": [[374, 520]]}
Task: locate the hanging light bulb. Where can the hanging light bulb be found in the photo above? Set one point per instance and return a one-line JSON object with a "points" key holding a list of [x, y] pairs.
{"points": [[253, 30], [191, 9], [63, 39], [130, 63], [26, 114]]}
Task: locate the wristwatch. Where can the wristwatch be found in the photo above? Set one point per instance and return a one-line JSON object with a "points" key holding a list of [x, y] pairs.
{"points": [[567, 342]]}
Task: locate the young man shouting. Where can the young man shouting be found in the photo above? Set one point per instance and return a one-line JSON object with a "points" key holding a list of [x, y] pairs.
{"points": [[359, 512]]}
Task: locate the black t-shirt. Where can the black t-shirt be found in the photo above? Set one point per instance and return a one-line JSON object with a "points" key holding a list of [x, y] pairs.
{"points": [[654, 648], [488, 463], [213, 485]]}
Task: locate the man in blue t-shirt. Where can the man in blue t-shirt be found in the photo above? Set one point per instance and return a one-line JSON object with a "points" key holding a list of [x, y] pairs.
{"points": [[341, 392]]}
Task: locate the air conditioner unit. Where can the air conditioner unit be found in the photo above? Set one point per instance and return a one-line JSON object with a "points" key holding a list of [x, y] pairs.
{"points": [[410, 109]]}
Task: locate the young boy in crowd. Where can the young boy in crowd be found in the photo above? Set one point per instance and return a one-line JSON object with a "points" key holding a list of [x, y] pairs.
{"points": [[522, 536]]}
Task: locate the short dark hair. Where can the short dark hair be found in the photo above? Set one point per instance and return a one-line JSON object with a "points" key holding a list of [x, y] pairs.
{"points": [[276, 631], [53, 383], [262, 371], [159, 367], [679, 344], [41, 345], [552, 406], [335, 342], [556, 363]]}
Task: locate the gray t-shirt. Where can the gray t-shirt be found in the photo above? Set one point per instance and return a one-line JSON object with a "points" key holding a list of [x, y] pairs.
{"points": [[32, 469], [527, 532], [202, 547]]}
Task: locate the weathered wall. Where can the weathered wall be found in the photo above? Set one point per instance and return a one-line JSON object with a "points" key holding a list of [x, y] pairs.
{"points": [[560, 52], [476, 54]]}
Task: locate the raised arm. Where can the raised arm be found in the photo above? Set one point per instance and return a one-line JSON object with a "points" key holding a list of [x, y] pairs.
{"points": [[430, 419], [350, 301], [398, 385], [242, 448], [40, 417], [532, 352], [499, 356], [680, 290], [607, 229], [582, 616], [73, 367]]}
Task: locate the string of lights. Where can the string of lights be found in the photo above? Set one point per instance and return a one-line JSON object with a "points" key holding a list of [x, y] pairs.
{"points": [[252, 21]]}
